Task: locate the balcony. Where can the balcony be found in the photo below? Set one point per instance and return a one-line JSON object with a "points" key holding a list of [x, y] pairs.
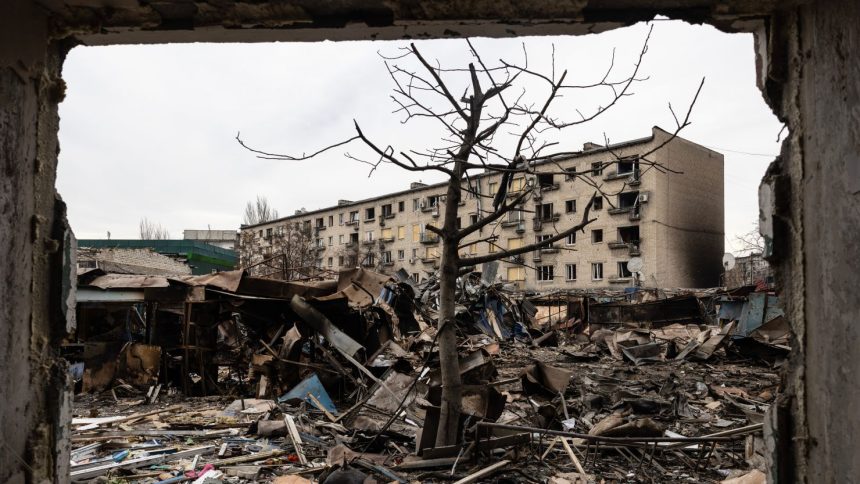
{"points": [[386, 240], [319, 228], [368, 242], [549, 187], [618, 244], [619, 210], [429, 238], [351, 222], [621, 280]]}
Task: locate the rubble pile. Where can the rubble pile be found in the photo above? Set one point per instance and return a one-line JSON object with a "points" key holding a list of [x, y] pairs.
{"points": [[229, 378]]}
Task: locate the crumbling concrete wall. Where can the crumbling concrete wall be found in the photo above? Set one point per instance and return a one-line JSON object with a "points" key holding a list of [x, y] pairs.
{"points": [[34, 408]]}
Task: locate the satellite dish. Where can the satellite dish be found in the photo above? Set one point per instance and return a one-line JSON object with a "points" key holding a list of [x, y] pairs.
{"points": [[635, 264], [728, 261]]}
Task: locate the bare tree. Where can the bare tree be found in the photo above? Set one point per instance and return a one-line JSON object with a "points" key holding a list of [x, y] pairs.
{"points": [[152, 230], [475, 124], [290, 253], [751, 242], [259, 211]]}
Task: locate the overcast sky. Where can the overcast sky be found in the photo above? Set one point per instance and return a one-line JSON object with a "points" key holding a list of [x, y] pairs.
{"points": [[148, 131]]}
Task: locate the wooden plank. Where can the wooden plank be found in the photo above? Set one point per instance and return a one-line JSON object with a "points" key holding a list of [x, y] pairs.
{"points": [[296, 439], [486, 471], [84, 474]]}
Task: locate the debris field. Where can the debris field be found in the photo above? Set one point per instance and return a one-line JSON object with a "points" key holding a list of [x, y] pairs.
{"points": [[229, 378]]}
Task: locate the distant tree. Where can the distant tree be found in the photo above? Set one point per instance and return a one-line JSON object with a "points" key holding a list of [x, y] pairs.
{"points": [[493, 105], [750, 242], [151, 230], [259, 211], [287, 254]]}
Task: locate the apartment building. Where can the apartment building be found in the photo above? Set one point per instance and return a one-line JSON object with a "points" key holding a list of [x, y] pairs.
{"points": [[670, 220]]}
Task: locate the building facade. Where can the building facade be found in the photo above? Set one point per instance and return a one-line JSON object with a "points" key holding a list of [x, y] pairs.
{"points": [[671, 219]]}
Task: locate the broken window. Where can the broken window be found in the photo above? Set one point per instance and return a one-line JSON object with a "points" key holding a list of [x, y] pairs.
{"points": [[570, 272], [570, 206], [544, 212], [416, 204], [268, 233], [387, 210], [623, 271], [571, 238], [597, 236], [546, 180], [545, 273], [340, 240], [517, 185], [627, 199], [628, 234], [340, 218], [598, 203], [353, 238], [320, 222], [330, 220], [433, 201], [628, 165], [353, 216], [597, 271], [369, 213], [370, 259], [597, 168], [401, 206]]}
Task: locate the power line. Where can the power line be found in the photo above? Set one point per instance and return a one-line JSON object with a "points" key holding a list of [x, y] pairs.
{"points": [[739, 152]]}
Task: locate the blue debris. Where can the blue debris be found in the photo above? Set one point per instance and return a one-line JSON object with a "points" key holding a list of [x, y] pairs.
{"points": [[312, 385]]}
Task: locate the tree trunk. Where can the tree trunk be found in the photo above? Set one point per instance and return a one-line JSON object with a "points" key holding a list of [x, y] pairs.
{"points": [[448, 355]]}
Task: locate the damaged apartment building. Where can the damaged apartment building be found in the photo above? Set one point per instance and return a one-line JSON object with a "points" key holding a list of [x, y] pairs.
{"points": [[670, 222]]}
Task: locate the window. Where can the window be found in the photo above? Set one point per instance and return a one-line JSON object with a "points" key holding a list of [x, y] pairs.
{"points": [[353, 216], [623, 271], [416, 233], [628, 165], [401, 254], [368, 236], [369, 213], [598, 203], [306, 225], [515, 243], [597, 168], [340, 261], [340, 218], [340, 240], [517, 185], [330, 240], [432, 253], [491, 246], [414, 253], [320, 222], [331, 261], [261, 232], [544, 212], [370, 259], [268, 233], [545, 273], [541, 238], [416, 277], [516, 273], [387, 210], [387, 234], [401, 206], [352, 261], [353, 238], [571, 238], [570, 272], [433, 201], [597, 236], [330, 220], [473, 248], [494, 187], [319, 242], [570, 206], [416, 205], [386, 257], [546, 180], [596, 271], [401, 232], [629, 235], [473, 219], [626, 200], [515, 215]]}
